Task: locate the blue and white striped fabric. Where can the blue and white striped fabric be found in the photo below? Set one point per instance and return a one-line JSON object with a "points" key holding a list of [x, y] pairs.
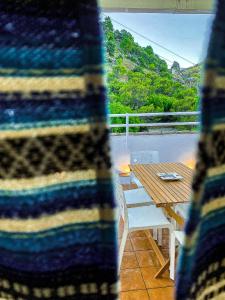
{"points": [[201, 274], [57, 229]]}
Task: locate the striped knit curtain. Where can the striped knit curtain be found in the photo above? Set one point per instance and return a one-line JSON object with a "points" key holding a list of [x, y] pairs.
{"points": [[201, 274], [57, 238]]}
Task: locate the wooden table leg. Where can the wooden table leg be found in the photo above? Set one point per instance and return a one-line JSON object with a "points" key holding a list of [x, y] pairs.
{"points": [[171, 213], [155, 247], [180, 221], [164, 263], [162, 269]]}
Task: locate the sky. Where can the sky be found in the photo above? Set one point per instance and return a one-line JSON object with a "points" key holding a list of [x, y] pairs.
{"points": [[186, 35]]}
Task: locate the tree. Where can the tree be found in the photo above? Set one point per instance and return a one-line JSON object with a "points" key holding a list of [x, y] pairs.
{"points": [[109, 36]]}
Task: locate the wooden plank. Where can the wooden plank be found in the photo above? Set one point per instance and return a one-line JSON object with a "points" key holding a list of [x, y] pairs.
{"points": [[145, 181], [154, 184], [179, 187], [184, 170], [164, 193], [188, 174], [175, 187], [170, 187], [151, 189], [171, 213], [187, 180], [149, 184], [187, 169], [155, 247], [163, 269]]}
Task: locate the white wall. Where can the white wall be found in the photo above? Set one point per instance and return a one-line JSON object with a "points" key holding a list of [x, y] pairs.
{"points": [[171, 147]]}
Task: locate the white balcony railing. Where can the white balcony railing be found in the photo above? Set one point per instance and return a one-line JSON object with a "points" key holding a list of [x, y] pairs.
{"points": [[128, 125]]}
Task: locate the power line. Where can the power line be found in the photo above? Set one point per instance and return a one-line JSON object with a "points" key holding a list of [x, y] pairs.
{"points": [[166, 59], [157, 44], [160, 56], [149, 40]]}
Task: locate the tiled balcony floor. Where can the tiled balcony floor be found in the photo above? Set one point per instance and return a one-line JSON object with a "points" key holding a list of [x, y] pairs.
{"points": [[138, 268]]}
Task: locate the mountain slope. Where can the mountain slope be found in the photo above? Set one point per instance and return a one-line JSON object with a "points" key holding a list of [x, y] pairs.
{"points": [[140, 81], [189, 76]]}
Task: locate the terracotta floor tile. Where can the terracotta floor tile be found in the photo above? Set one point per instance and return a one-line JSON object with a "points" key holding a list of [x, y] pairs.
{"points": [[134, 295], [140, 243], [128, 246], [131, 279], [150, 282], [161, 293], [147, 258], [139, 233], [129, 261]]}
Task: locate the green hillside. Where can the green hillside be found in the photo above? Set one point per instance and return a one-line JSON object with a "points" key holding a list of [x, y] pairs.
{"points": [[189, 76], [140, 81]]}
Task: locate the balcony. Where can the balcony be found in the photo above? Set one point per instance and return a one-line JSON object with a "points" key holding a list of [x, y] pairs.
{"points": [[175, 141]]}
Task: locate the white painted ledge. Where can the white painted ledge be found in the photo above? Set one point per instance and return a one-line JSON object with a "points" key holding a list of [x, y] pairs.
{"points": [[154, 6]]}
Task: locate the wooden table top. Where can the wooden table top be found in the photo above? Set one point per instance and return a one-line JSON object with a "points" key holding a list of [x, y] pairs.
{"points": [[165, 193]]}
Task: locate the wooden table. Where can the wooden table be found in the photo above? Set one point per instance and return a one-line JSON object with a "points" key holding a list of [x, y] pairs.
{"points": [[165, 194]]}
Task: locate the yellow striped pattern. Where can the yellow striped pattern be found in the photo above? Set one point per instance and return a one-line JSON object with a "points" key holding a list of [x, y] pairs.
{"points": [[213, 288], [218, 127], [50, 84], [48, 180], [66, 229], [62, 291], [216, 171], [213, 205], [73, 216], [45, 131]]}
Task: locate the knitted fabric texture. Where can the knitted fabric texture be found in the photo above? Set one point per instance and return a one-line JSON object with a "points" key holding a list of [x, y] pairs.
{"points": [[57, 233], [201, 274]]}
